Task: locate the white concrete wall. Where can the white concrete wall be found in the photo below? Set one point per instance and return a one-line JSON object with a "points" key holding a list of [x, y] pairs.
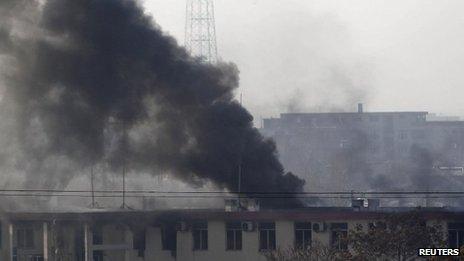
{"points": [[217, 246], [285, 236], [217, 243], [119, 235]]}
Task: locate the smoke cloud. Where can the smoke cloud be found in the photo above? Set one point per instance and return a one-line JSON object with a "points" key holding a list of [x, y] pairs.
{"points": [[97, 82]]}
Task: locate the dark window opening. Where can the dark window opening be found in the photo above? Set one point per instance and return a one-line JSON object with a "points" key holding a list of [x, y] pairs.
{"points": [[377, 225], [97, 255], [15, 254], [169, 238], [234, 236], [303, 235], [25, 238], [35, 258], [200, 236], [97, 235], [339, 236], [267, 236], [455, 235], [79, 248], [139, 242]]}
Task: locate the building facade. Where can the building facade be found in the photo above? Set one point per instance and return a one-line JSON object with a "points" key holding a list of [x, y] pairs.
{"points": [[366, 151], [186, 235]]}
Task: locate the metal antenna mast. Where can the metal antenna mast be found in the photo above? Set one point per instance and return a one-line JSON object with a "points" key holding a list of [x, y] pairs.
{"points": [[200, 31], [94, 203], [125, 145]]}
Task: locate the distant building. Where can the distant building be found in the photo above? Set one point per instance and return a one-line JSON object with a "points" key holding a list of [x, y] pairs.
{"points": [[185, 235], [369, 150]]}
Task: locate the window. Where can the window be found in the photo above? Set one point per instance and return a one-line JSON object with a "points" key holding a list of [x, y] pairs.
{"points": [[418, 134], [25, 237], [267, 236], [234, 236], [200, 236], [455, 235], [35, 258], [97, 255], [373, 147], [403, 135], [168, 238], [97, 235], [344, 144], [139, 242], [303, 235], [377, 225], [15, 254], [339, 233], [79, 251]]}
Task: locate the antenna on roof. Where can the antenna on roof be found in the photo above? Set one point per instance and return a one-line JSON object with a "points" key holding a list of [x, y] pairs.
{"points": [[124, 137], [239, 185], [94, 204]]}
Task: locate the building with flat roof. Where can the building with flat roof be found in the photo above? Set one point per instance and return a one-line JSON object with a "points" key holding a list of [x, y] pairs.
{"points": [[367, 151], [186, 235]]}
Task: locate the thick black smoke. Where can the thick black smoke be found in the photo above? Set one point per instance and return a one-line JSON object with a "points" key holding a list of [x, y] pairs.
{"points": [[96, 81]]}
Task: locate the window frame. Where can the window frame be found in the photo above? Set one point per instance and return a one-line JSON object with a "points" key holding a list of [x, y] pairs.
{"points": [[456, 228], [22, 240], [97, 235], [166, 243], [303, 227], [35, 257], [140, 242], [200, 231], [235, 228], [269, 229], [98, 254], [338, 232]]}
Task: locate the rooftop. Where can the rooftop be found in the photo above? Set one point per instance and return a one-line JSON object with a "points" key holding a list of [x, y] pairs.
{"points": [[311, 213]]}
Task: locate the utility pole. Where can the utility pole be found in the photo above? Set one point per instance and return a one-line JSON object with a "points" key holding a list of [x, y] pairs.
{"points": [[200, 30]]}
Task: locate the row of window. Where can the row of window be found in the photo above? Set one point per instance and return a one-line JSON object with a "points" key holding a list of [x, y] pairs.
{"points": [[266, 232], [234, 231], [302, 235]]}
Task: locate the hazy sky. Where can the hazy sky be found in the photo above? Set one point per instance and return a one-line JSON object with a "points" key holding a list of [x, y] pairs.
{"points": [[317, 55]]}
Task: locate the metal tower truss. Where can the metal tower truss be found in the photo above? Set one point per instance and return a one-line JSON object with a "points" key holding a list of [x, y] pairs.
{"points": [[200, 32]]}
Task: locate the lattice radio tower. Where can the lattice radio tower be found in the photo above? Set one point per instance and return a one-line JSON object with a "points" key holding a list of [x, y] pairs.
{"points": [[200, 31]]}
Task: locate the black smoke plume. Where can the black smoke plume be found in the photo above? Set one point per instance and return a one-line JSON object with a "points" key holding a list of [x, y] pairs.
{"points": [[96, 81]]}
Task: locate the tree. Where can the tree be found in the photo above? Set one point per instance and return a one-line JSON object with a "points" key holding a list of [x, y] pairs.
{"points": [[397, 237], [317, 252]]}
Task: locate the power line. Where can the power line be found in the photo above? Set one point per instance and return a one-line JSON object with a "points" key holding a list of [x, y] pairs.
{"points": [[241, 193], [269, 196]]}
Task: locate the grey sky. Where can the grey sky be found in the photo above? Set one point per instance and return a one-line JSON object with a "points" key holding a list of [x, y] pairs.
{"points": [[301, 55]]}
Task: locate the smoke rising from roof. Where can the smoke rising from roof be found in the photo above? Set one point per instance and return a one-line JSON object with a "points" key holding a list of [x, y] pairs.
{"points": [[97, 82]]}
